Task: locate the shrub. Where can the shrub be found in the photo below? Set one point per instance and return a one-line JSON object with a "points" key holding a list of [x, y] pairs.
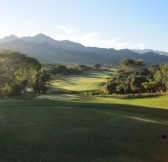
{"points": [[11, 89], [6, 90], [16, 90]]}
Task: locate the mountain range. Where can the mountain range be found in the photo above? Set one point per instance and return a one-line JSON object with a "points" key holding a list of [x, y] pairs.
{"points": [[49, 50]]}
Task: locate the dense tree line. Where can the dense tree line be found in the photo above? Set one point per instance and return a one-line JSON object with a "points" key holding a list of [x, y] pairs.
{"points": [[19, 72], [135, 77]]}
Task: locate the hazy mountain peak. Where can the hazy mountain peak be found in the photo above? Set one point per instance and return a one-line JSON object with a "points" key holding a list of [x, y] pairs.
{"points": [[41, 35], [149, 50], [11, 36], [8, 38], [150, 53], [41, 38]]}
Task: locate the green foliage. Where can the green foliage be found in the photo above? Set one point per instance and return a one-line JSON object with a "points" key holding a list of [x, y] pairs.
{"points": [[45, 77], [12, 89], [108, 66], [132, 65], [134, 77], [93, 92], [60, 69], [137, 79], [154, 68], [97, 66], [120, 89], [19, 71], [136, 82], [149, 86], [6, 90], [69, 69], [16, 90], [43, 88], [111, 85], [26, 73], [82, 67], [161, 76]]}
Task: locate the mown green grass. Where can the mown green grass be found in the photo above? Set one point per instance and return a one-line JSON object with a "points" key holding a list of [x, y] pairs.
{"points": [[34, 129], [77, 128], [93, 80], [154, 102]]}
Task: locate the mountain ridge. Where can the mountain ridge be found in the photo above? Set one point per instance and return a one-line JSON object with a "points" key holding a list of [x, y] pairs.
{"points": [[148, 50], [49, 50]]}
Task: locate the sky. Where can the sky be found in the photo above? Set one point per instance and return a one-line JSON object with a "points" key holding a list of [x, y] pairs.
{"points": [[134, 24]]}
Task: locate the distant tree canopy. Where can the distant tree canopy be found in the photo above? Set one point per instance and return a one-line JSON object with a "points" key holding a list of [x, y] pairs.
{"points": [[108, 66], [17, 71], [60, 69], [161, 76], [70, 69], [131, 64], [13, 59], [97, 66], [82, 67], [135, 77]]}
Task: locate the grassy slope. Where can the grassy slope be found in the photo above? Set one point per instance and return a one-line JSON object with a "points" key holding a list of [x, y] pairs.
{"points": [[83, 129]]}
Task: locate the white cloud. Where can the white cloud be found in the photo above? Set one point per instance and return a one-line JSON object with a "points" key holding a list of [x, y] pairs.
{"points": [[67, 30], [94, 39], [90, 35], [141, 46], [91, 39]]}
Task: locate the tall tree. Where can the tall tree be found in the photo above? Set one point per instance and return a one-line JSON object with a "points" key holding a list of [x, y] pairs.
{"points": [[161, 76], [131, 64]]}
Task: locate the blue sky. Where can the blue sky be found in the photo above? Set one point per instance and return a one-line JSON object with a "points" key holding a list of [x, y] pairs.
{"points": [[104, 23]]}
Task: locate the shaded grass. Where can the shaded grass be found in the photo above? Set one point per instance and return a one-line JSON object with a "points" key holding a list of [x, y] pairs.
{"points": [[33, 129]]}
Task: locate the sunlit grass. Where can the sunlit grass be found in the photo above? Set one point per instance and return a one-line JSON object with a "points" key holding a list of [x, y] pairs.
{"points": [[90, 81], [155, 102]]}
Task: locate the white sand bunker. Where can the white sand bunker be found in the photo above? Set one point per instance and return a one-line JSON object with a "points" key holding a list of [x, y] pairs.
{"points": [[61, 97]]}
